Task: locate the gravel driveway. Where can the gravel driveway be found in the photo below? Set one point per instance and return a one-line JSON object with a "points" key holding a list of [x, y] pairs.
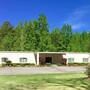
{"points": [[39, 70]]}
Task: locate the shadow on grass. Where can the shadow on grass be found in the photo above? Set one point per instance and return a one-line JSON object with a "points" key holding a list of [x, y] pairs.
{"points": [[75, 83], [34, 82]]}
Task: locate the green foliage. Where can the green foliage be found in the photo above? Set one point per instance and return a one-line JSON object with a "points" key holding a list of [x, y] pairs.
{"points": [[77, 64], [88, 70], [66, 32], [8, 63], [66, 81], [23, 65], [57, 40], [35, 36]]}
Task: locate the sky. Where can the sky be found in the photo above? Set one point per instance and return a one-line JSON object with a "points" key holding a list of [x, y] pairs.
{"points": [[58, 12]]}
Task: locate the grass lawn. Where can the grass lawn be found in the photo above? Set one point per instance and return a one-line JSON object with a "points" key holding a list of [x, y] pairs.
{"points": [[45, 82]]}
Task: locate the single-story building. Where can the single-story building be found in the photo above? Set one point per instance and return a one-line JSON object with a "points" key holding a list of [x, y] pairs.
{"points": [[44, 57]]}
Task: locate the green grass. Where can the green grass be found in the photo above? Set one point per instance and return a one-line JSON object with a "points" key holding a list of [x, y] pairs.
{"points": [[45, 82]]}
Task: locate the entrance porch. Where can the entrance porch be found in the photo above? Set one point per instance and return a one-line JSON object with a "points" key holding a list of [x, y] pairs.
{"points": [[51, 58]]}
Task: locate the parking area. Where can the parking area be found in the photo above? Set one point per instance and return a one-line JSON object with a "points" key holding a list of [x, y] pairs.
{"points": [[39, 70]]}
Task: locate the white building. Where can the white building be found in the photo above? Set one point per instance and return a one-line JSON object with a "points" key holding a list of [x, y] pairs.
{"points": [[44, 57], [17, 57], [62, 57]]}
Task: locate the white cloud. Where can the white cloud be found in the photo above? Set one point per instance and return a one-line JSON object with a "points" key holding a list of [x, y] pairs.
{"points": [[77, 26], [77, 18]]}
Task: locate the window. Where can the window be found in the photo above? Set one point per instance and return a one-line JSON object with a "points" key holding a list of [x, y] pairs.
{"points": [[70, 60], [4, 59], [85, 60], [23, 59]]}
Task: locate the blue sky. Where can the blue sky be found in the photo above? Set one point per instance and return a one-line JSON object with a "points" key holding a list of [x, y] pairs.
{"points": [[58, 12]]}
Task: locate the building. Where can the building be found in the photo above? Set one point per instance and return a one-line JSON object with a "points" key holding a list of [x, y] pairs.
{"points": [[62, 57], [43, 57]]}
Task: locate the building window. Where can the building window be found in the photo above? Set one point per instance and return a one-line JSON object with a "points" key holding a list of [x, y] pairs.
{"points": [[70, 60], [4, 59], [23, 59], [85, 60]]}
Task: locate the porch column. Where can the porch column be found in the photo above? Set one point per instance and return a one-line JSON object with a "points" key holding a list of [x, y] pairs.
{"points": [[67, 62], [89, 58], [65, 57], [37, 58]]}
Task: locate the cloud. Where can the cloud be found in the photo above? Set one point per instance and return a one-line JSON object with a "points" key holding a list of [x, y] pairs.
{"points": [[79, 18], [80, 26], [76, 26]]}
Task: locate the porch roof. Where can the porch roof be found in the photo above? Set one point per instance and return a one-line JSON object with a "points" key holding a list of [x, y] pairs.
{"points": [[51, 52]]}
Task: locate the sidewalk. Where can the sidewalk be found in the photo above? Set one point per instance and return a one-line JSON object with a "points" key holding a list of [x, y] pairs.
{"points": [[39, 70]]}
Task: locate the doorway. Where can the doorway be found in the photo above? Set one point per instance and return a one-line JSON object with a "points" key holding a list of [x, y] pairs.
{"points": [[48, 60]]}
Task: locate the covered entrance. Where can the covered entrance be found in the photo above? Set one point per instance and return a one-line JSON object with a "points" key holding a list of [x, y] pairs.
{"points": [[52, 58], [48, 59]]}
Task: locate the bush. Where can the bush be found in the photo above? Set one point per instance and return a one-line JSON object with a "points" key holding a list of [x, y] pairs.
{"points": [[8, 63], [16, 65], [77, 64], [3, 65], [22, 64], [88, 70]]}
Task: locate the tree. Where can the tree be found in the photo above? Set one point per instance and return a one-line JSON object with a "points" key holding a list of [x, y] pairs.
{"points": [[88, 45], [45, 41], [19, 38], [56, 38], [66, 36], [43, 24], [30, 37], [6, 36], [35, 36], [76, 42]]}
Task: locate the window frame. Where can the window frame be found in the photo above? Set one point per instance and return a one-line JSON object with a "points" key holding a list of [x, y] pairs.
{"points": [[4, 59], [23, 60], [85, 60], [71, 60]]}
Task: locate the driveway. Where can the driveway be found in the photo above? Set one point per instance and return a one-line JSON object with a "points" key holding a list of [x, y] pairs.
{"points": [[39, 70]]}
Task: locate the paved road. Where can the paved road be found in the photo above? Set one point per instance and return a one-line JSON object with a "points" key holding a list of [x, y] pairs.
{"points": [[39, 70]]}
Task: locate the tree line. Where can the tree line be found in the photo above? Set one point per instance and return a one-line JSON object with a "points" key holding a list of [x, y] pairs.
{"points": [[36, 36]]}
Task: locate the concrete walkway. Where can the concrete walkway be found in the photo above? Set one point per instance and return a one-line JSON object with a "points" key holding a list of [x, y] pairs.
{"points": [[39, 70]]}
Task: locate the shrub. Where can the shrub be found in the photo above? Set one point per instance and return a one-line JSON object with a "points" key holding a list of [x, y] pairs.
{"points": [[22, 64], [27, 65], [8, 63], [16, 65], [77, 64], [3, 65], [88, 70]]}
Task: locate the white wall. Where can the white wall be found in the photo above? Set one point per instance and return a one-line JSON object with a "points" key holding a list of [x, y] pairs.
{"points": [[15, 56], [78, 57]]}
